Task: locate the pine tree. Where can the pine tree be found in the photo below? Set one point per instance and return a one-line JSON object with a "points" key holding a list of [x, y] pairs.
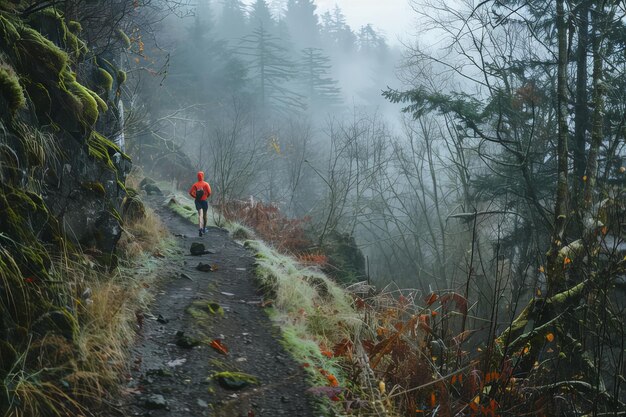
{"points": [[320, 88], [261, 16], [270, 71], [336, 32], [371, 42], [232, 23], [303, 23], [205, 64]]}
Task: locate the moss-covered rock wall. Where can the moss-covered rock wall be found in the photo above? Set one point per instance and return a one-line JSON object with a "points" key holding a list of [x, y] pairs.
{"points": [[62, 174]]}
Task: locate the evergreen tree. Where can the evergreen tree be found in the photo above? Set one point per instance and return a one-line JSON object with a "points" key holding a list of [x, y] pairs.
{"points": [[260, 16], [336, 32], [270, 71], [320, 88], [303, 23], [371, 42], [232, 24], [278, 8], [204, 63]]}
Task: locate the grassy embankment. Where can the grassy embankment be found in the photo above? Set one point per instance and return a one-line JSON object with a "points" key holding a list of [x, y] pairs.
{"points": [[80, 373]]}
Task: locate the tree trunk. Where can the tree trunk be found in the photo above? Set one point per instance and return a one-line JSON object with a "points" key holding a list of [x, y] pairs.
{"points": [[562, 192]]}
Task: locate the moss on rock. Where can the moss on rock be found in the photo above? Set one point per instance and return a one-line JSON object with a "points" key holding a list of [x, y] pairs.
{"points": [[103, 79], [75, 26], [10, 89], [8, 32], [123, 38], [121, 77], [38, 56], [234, 380], [94, 187]]}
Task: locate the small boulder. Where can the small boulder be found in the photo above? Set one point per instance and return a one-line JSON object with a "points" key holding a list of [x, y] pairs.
{"points": [[235, 380], [197, 249], [186, 341], [152, 189], [204, 267], [155, 402]]}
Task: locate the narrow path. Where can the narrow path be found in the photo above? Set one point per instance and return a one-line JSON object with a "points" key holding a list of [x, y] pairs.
{"points": [[190, 301]]}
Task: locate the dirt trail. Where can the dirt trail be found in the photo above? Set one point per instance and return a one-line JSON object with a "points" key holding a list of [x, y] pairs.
{"points": [[190, 301]]}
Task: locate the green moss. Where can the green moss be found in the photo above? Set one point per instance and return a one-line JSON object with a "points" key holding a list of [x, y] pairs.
{"points": [[75, 26], [236, 376], [10, 89], [37, 55], [94, 188], [124, 39], [8, 32], [103, 79], [102, 106], [121, 77], [88, 104], [101, 148], [51, 22], [203, 310]]}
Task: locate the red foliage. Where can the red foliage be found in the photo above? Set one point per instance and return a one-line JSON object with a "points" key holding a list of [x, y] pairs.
{"points": [[314, 259], [286, 235]]}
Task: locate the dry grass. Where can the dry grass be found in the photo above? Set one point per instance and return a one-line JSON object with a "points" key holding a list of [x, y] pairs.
{"points": [[60, 376], [142, 236]]}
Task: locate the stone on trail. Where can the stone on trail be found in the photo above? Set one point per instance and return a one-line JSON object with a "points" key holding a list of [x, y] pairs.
{"points": [[155, 402], [197, 249], [204, 267], [235, 380], [186, 341]]}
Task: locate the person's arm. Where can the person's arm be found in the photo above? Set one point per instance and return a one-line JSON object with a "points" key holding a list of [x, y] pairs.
{"points": [[208, 190], [192, 191]]}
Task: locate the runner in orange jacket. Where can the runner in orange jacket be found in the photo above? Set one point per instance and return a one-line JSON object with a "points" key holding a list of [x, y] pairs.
{"points": [[200, 191]]}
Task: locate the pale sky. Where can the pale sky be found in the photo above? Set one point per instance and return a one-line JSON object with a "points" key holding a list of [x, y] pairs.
{"points": [[393, 17]]}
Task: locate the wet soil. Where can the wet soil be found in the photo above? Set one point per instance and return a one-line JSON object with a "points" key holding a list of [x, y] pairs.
{"points": [[171, 380]]}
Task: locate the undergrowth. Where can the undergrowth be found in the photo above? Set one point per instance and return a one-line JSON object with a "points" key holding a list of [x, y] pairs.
{"points": [[77, 369]]}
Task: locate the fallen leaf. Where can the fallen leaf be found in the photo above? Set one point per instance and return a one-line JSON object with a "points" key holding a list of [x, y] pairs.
{"points": [[550, 337], [219, 346]]}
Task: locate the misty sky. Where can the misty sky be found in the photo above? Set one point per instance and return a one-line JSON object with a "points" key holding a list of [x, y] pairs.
{"points": [[393, 17]]}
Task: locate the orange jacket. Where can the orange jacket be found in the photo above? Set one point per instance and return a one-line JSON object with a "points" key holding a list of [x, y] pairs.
{"points": [[200, 184]]}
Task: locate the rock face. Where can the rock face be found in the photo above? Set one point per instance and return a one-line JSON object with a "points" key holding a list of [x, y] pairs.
{"points": [[61, 121], [62, 173]]}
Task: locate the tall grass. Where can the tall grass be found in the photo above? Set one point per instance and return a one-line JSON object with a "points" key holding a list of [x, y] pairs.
{"points": [[57, 375]]}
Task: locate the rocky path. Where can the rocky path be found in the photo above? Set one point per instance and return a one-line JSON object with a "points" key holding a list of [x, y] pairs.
{"points": [[206, 347]]}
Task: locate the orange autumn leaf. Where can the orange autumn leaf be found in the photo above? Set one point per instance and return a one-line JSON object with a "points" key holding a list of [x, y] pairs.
{"points": [[550, 337], [567, 261], [332, 381], [433, 399], [219, 346], [434, 313], [431, 298], [454, 378]]}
